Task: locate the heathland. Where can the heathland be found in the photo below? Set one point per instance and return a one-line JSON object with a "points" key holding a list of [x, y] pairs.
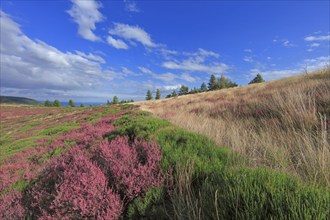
{"points": [[254, 152]]}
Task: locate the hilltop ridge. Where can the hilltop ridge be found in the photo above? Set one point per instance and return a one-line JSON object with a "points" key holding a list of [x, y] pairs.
{"points": [[18, 100]]}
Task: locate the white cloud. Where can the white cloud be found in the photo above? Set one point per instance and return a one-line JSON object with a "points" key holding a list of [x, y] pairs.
{"points": [[132, 33], [172, 87], [318, 38], [130, 6], [207, 53], [145, 70], [33, 64], [314, 45], [91, 57], [187, 77], [287, 43], [199, 61], [248, 59], [248, 50], [202, 54], [284, 42], [168, 77], [128, 72], [86, 15], [117, 43], [195, 66]]}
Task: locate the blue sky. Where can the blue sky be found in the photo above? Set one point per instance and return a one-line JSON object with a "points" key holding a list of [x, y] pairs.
{"points": [[89, 50]]}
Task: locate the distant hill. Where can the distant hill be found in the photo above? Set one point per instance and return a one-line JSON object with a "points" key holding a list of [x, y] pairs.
{"points": [[18, 100]]}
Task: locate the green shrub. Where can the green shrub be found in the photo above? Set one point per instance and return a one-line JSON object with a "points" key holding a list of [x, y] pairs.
{"points": [[151, 206], [137, 126]]}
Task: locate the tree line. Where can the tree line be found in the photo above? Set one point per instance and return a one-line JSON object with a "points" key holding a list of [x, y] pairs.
{"points": [[214, 84], [116, 101], [57, 103]]}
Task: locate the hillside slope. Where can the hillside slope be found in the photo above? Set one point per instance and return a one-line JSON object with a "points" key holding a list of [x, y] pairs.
{"points": [[282, 124], [18, 100]]}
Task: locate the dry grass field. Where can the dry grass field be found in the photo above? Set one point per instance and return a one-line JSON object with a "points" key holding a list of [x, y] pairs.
{"points": [[282, 124]]}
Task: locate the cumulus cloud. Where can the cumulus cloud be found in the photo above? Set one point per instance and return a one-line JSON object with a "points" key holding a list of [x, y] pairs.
{"points": [[33, 64], [117, 43], [86, 14], [132, 33], [318, 38]]}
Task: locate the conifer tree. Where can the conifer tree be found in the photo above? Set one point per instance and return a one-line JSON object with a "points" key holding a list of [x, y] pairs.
{"points": [[257, 79], [174, 94], [212, 83], [149, 95], [158, 94]]}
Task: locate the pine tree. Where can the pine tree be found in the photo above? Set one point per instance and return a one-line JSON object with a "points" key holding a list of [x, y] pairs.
{"points": [[212, 83], [82, 105], [158, 94], [71, 103], [115, 100], [183, 90], [149, 95], [257, 79], [203, 87]]}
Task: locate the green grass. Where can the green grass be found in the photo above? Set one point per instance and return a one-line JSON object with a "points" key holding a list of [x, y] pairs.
{"points": [[18, 145], [210, 182]]}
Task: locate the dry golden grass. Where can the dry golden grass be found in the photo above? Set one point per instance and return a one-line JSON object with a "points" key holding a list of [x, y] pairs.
{"points": [[282, 124]]}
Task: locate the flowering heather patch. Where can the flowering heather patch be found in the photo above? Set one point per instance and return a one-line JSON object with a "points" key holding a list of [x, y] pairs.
{"points": [[88, 135], [133, 167], [11, 207], [75, 173], [72, 188]]}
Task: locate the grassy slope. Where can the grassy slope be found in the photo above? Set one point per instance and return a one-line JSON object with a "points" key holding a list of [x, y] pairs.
{"points": [[282, 124], [18, 100], [206, 182]]}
